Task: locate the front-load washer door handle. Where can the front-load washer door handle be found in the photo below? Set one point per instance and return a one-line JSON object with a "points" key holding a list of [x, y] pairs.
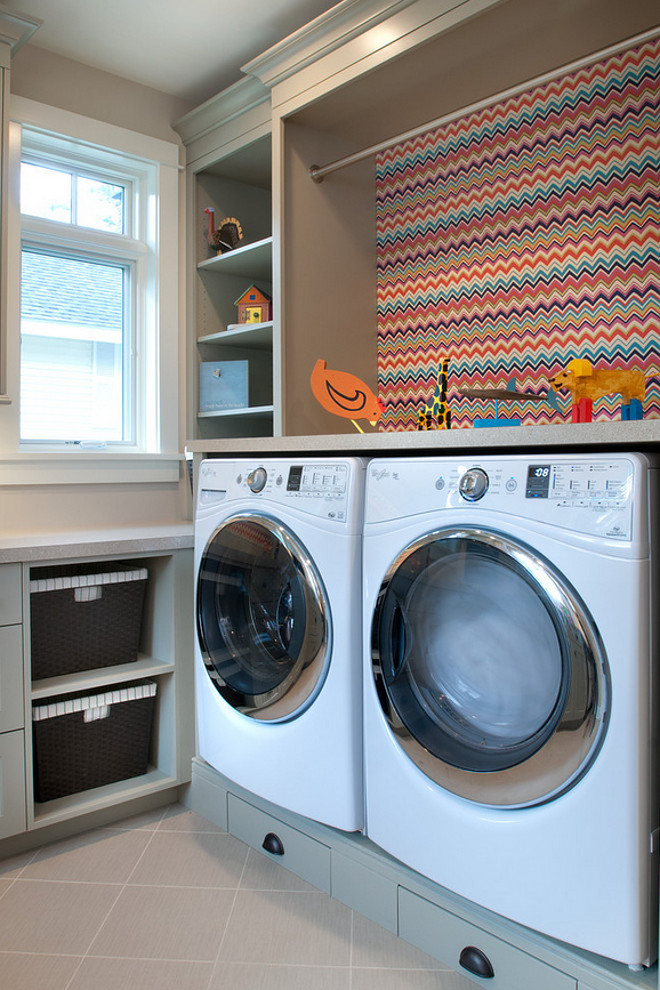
{"points": [[476, 962], [399, 640]]}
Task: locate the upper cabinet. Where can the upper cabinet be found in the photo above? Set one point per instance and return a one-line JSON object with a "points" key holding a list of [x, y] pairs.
{"points": [[234, 342], [321, 105], [15, 29], [363, 79]]}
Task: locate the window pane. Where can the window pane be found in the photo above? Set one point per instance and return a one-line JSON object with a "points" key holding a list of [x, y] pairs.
{"points": [[72, 349], [100, 205], [46, 192]]}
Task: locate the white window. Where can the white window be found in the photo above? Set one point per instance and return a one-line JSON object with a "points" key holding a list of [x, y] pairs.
{"points": [[96, 366]]}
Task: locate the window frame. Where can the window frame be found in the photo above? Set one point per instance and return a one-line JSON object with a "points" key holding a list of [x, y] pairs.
{"points": [[156, 170]]}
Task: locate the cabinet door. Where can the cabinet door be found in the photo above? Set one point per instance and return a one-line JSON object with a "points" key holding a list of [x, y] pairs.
{"points": [[11, 678], [11, 609], [12, 784]]}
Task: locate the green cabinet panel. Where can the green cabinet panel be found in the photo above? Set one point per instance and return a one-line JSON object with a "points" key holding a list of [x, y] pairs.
{"points": [[304, 856], [445, 936]]}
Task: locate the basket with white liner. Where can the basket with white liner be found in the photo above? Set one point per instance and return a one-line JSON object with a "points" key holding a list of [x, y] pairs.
{"points": [[84, 621], [83, 741]]}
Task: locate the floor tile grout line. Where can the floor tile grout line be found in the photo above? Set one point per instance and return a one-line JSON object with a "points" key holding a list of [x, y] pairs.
{"points": [[12, 880], [350, 954], [229, 917], [215, 965], [166, 809], [208, 962], [122, 887]]}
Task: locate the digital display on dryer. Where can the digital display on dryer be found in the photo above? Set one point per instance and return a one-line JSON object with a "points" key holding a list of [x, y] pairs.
{"points": [[538, 481]]}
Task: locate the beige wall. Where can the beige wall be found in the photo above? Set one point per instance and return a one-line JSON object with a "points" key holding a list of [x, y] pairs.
{"points": [[34, 509], [59, 82]]}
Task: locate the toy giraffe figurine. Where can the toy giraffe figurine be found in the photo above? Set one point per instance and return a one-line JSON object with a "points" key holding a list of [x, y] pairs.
{"points": [[437, 415]]}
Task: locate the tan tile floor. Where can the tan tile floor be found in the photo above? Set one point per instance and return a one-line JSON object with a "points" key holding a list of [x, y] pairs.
{"points": [[167, 901]]}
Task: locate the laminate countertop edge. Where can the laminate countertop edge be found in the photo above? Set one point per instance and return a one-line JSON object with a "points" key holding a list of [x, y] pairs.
{"points": [[25, 548], [631, 435]]}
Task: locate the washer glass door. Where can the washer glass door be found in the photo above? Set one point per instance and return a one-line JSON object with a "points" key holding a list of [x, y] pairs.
{"points": [[262, 618], [489, 668]]}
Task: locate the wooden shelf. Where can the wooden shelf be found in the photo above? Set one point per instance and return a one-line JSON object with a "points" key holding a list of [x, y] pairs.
{"points": [[89, 680], [252, 261], [84, 802], [256, 335], [246, 413]]}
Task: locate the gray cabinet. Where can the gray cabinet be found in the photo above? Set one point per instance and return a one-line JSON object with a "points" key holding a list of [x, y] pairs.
{"points": [[164, 657], [12, 703]]}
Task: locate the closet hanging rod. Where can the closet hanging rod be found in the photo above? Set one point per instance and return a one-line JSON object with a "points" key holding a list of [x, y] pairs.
{"points": [[318, 172]]}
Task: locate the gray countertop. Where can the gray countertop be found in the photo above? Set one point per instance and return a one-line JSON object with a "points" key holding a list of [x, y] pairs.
{"points": [[639, 434], [27, 547]]}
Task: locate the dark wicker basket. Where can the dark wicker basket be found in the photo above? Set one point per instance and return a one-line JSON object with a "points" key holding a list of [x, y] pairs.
{"points": [[82, 741], [80, 622]]}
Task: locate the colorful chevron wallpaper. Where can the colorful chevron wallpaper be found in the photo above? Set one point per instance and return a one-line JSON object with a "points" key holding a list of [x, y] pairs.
{"points": [[519, 237]]}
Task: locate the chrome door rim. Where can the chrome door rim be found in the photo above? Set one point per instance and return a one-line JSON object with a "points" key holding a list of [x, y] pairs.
{"points": [[284, 701], [566, 756]]}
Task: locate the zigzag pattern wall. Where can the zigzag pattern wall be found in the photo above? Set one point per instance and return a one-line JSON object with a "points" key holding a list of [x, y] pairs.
{"points": [[521, 236]]}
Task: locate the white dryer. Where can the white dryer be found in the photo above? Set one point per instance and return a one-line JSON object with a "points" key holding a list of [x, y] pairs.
{"points": [[509, 713], [278, 608]]}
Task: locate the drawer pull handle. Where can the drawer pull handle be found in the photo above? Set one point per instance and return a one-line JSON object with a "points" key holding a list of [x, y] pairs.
{"points": [[476, 961], [273, 844]]}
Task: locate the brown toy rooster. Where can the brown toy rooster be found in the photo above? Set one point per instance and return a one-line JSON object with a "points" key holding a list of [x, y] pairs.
{"points": [[345, 395]]}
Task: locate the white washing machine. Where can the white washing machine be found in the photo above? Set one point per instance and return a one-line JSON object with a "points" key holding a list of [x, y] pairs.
{"points": [[509, 718], [278, 607]]}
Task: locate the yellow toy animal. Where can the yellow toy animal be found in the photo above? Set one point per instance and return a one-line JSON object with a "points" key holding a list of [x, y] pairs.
{"points": [[586, 383]]}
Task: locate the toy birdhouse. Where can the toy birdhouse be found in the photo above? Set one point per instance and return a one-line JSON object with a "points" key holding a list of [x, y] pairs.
{"points": [[254, 306]]}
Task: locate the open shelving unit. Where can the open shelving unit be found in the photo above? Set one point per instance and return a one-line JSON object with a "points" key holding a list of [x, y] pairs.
{"points": [[229, 172], [162, 636]]}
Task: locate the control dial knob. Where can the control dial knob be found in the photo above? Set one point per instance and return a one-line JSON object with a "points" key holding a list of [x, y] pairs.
{"points": [[473, 485], [257, 480]]}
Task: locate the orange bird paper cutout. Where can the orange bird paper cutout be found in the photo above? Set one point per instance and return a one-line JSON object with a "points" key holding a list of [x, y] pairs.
{"points": [[345, 395]]}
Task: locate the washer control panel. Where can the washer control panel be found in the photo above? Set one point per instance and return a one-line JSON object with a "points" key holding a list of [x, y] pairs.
{"points": [[320, 488]]}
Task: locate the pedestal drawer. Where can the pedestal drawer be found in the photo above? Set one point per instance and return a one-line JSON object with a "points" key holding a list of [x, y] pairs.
{"points": [[469, 949], [292, 849]]}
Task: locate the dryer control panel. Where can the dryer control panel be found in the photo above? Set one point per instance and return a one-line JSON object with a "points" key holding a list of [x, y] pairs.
{"points": [[600, 495]]}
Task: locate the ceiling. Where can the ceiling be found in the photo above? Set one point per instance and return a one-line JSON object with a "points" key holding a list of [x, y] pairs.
{"points": [[191, 49]]}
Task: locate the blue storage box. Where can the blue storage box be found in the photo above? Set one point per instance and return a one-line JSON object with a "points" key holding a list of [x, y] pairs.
{"points": [[223, 385]]}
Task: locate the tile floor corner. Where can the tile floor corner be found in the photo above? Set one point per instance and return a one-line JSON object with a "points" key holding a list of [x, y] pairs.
{"points": [[167, 901]]}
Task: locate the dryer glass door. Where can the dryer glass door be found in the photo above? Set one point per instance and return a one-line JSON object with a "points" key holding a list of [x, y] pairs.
{"points": [[262, 618], [489, 668]]}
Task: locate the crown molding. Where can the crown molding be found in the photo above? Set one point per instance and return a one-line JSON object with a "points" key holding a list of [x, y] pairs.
{"points": [[324, 34], [15, 28], [232, 102]]}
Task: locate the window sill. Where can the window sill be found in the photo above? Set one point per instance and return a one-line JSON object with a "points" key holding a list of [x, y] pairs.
{"points": [[88, 468]]}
